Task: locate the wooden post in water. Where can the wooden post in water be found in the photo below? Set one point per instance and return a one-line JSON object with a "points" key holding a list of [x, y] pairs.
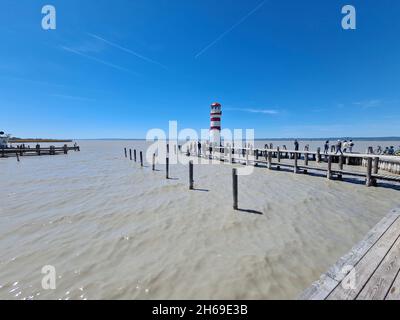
{"points": [[235, 188], [167, 167], [141, 158], [295, 162], [134, 155], [191, 181], [126, 154], [278, 155], [130, 154], [329, 172], [319, 155], [305, 161], [375, 170], [376, 165], [341, 161], [154, 162], [17, 156], [269, 160], [368, 181], [65, 149]]}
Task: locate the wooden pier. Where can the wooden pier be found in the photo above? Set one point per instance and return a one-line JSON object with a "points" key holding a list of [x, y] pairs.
{"points": [[370, 271], [372, 168], [36, 151]]}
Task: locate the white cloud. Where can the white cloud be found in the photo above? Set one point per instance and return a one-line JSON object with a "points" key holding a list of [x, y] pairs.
{"points": [[252, 110], [369, 103]]}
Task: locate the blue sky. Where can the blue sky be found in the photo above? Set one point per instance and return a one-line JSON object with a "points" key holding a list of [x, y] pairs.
{"points": [[115, 69]]}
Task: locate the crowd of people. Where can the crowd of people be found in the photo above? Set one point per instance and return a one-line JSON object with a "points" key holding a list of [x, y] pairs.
{"points": [[346, 146], [339, 147]]}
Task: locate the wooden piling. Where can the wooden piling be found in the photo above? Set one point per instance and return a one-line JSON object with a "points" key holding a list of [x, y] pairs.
{"points": [[167, 167], [318, 155], [376, 165], [154, 162], [65, 149], [191, 181], [375, 170], [368, 181], [305, 161], [269, 160], [17, 156], [130, 154], [341, 161], [329, 172], [126, 154], [295, 162], [141, 158], [134, 155], [235, 188]]}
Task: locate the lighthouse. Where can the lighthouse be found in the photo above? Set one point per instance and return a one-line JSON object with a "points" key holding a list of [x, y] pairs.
{"points": [[215, 124]]}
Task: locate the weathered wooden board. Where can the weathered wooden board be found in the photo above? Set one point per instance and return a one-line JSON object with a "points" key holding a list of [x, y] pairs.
{"points": [[376, 263], [360, 249], [320, 289], [394, 292], [367, 265], [381, 281]]}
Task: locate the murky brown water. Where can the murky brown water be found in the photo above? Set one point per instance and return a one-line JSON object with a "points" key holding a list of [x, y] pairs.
{"points": [[115, 231]]}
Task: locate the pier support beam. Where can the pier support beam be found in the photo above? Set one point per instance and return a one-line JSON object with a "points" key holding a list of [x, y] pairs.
{"points": [[341, 160], [318, 155], [329, 172], [269, 158], [368, 181], [278, 155]]}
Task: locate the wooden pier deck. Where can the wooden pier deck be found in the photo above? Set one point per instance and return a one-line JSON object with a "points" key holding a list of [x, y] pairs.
{"points": [[36, 151], [372, 168], [370, 271]]}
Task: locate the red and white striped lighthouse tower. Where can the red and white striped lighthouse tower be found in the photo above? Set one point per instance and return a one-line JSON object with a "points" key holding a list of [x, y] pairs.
{"points": [[215, 124]]}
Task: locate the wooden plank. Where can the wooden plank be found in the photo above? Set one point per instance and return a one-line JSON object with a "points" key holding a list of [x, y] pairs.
{"points": [[320, 289], [394, 292], [379, 284], [360, 249], [368, 264]]}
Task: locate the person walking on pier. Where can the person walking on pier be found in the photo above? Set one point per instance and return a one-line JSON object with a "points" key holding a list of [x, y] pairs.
{"points": [[326, 147], [345, 146], [351, 145], [296, 145], [339, 147]]}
